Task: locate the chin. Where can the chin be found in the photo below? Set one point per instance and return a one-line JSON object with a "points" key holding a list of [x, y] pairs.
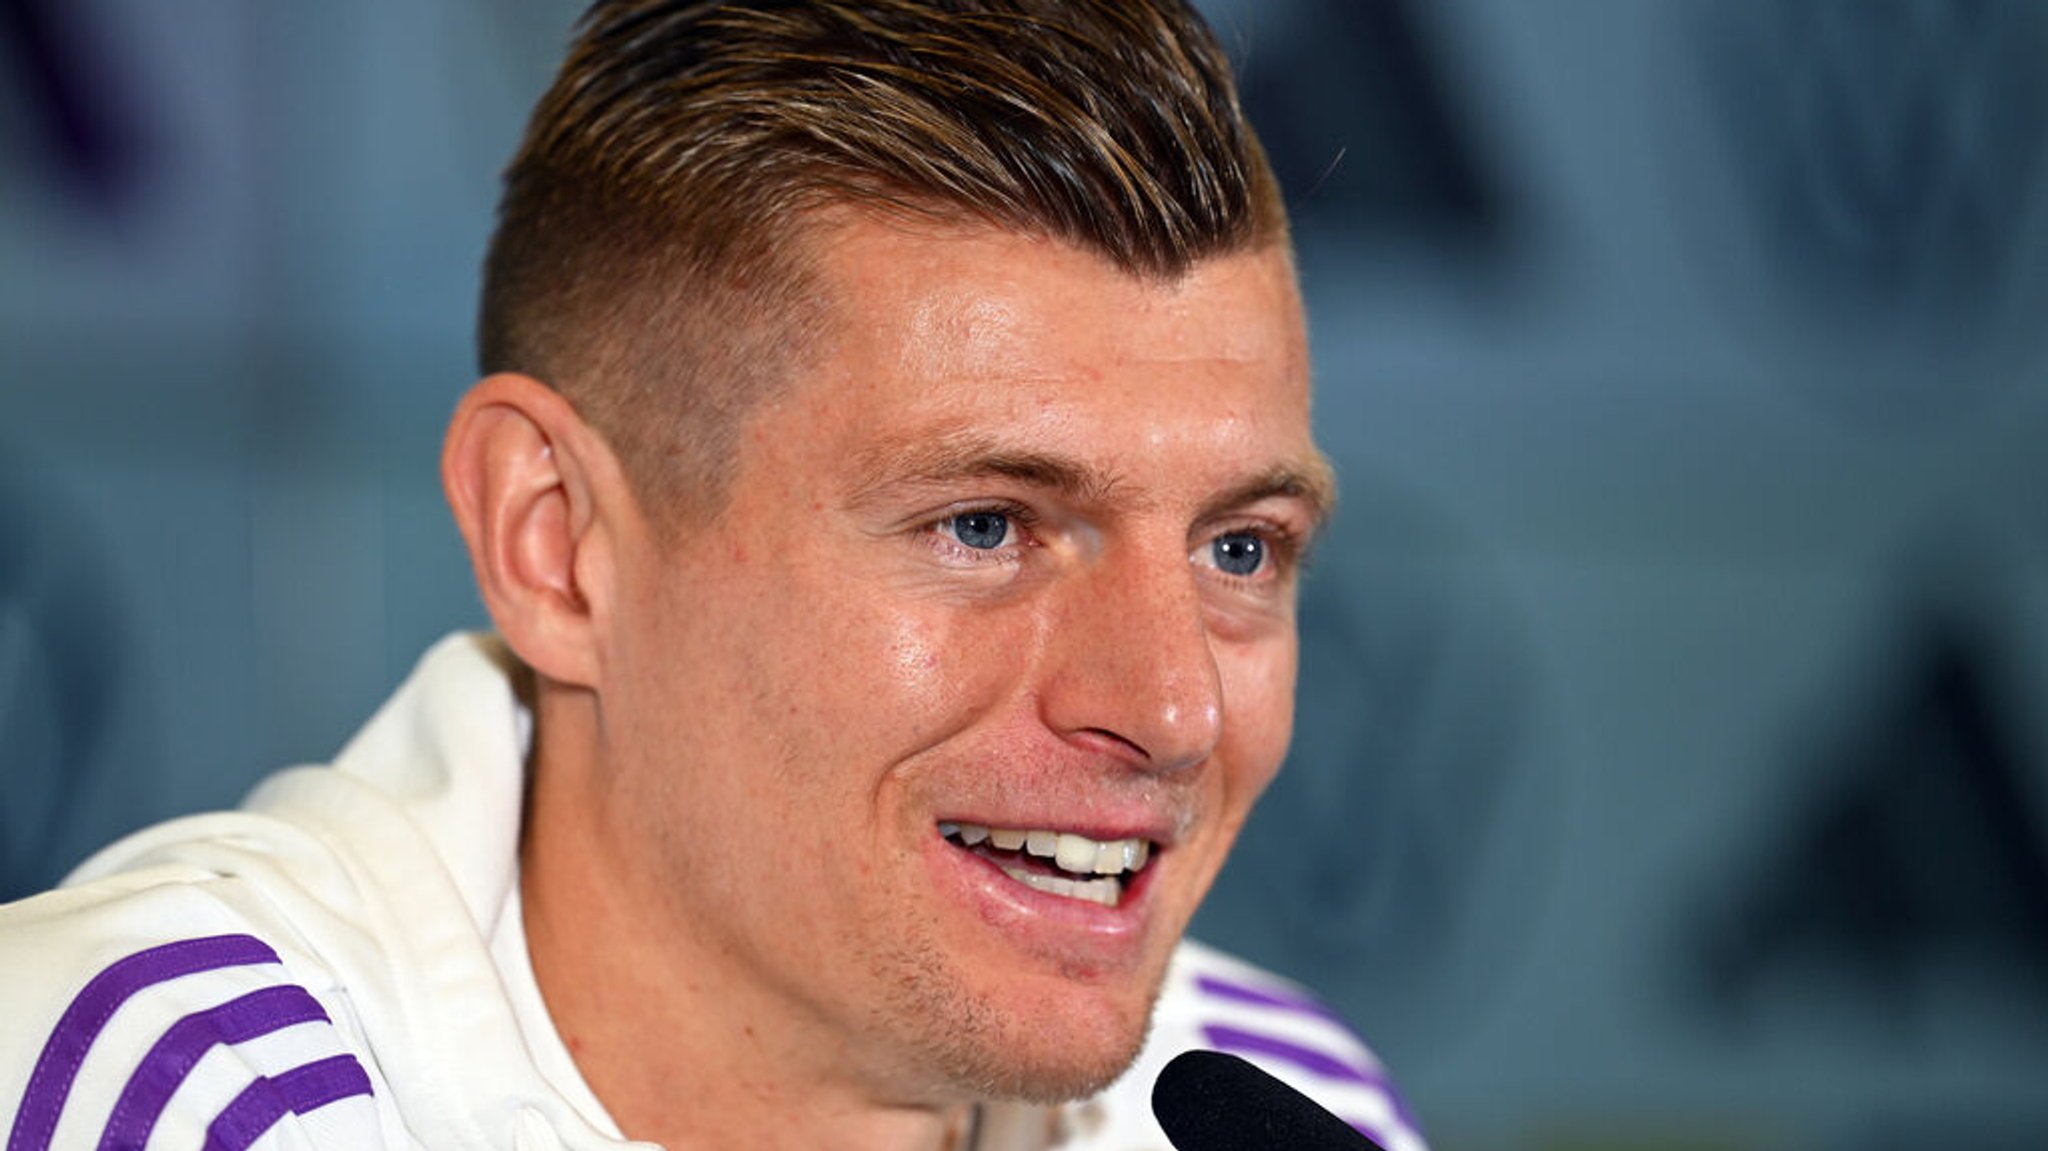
{"points": [[1043, 1050], [1046, 1071], [983, 1024]]}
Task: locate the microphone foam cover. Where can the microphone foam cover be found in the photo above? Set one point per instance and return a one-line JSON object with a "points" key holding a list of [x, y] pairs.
{"points": [[1209, 1101]]}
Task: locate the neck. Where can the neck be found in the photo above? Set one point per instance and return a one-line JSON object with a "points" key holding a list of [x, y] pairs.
{"points": [[680, 1050]]}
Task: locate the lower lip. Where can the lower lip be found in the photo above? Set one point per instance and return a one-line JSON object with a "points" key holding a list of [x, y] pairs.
{"points": [[1062, 929]]}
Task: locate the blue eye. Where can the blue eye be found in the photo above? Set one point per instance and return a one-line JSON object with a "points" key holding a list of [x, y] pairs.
{"points": [[1238, 553], [982, 531]]}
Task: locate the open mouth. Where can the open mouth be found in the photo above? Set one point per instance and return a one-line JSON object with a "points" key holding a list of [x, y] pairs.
{"points": [[1056, 862]]}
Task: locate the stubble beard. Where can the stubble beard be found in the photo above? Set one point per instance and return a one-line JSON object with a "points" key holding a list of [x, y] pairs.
{"points": [[979, 1052]]}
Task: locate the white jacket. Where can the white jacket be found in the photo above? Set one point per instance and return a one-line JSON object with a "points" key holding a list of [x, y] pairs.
{"points": [[339, 966]]}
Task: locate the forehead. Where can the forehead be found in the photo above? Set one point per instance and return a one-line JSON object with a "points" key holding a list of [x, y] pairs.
{"points": [[933, 331], [965, 299]]}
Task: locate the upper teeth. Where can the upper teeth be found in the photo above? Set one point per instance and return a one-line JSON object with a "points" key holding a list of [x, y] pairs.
{"points": [[1076, 853]]}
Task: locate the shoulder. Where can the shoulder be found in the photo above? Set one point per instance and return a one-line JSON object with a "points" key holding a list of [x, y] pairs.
{"points": [[168, 1007], [1217, 1002]]}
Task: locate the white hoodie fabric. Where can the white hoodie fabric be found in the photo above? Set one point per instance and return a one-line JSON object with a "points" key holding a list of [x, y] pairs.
{"points": [[340, 966]]}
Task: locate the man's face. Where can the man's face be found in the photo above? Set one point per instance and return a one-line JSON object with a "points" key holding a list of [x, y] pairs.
{"points": [[1014, 553]]}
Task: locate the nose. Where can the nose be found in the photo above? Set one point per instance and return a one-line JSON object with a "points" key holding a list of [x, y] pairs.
{"points": [[1132, 669]]}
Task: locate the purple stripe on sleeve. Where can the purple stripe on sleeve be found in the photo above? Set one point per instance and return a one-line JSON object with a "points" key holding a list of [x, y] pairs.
{"points": [[165, 1067], [1260, 997], [298, 1091], [1241, 1042], [49, 1085]]}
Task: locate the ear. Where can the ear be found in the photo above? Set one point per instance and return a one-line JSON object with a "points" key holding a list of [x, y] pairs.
{"points": [[536, 493]]}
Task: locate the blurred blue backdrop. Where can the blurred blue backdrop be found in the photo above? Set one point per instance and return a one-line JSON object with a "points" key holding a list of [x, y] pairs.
{"points": [[1671, 756]]}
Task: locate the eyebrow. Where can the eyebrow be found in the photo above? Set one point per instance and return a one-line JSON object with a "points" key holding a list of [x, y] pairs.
{"points": [[944, 458], [1312, 481]]}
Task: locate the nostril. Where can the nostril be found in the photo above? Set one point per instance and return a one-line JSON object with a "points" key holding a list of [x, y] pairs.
{"points": [[1131, 668], [1115, 744]]}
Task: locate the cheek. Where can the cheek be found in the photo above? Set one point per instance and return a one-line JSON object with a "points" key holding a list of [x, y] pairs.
{"points": [[1259, 714], [924, 674], [846, 670]]}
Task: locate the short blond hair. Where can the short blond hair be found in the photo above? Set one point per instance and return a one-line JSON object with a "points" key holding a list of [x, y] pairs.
{"points": [[648, 257]]}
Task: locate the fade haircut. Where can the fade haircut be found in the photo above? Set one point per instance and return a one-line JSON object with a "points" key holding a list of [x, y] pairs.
{"points": [[650, 258]]}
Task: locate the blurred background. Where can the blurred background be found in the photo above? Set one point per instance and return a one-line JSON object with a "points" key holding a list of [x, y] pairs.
{"points": [[1671, 756]]}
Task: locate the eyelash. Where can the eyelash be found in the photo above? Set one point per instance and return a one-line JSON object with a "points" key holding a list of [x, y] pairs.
{"points": [[1284, 547], [1021, 520]]}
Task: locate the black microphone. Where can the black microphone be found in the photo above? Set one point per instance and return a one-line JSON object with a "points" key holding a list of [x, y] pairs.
{"points": [[1209, 1101]]}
